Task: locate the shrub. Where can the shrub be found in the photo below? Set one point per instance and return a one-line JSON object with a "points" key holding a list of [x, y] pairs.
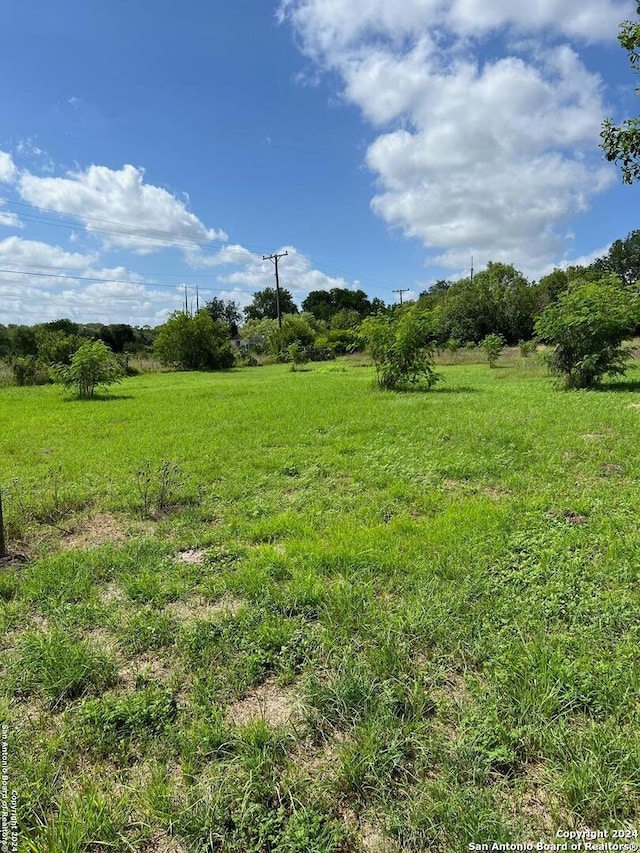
{"points": [[587, 325], [402, 348], [92, 366], [194, 343], [56, 347], [27, 370], [492, 346], [527, 348], [297, 355]]}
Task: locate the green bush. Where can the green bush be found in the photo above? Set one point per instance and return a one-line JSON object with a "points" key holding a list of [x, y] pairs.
{"points": [[527, 348], [194, 343], [297, 355], [588, 325], [402, 348], [27, 370], [92, 366], [492, 346]]}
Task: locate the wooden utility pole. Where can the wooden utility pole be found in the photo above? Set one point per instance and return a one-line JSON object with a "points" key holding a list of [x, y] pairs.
{"points": [[471, 269], [186, 302], [401, 290], [275, 258], [3, 542]]}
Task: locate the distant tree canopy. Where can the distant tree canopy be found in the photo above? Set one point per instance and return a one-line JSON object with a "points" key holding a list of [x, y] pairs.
{"points": [[264, 305], [621, 144], [622, 260], [325, 304], [498, 300], [116, 336], [225, 311], [194, 342]]}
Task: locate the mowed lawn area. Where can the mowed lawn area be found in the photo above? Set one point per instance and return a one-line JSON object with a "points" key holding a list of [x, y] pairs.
{"points": [[283, 611]]}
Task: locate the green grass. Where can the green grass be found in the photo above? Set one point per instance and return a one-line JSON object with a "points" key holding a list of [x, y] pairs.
{"points": [[352, 619]]}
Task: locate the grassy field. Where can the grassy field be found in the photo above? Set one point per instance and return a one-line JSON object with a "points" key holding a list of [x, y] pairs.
{"points": [[276, 611]]}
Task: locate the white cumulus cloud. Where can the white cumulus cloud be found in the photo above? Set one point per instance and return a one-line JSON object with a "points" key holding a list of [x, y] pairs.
{"points": [[486, 144], [296, 272], [120, 208], [8, 170]]}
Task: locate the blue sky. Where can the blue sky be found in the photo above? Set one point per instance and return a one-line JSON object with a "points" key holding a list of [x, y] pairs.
{"points": [[381, 142]]}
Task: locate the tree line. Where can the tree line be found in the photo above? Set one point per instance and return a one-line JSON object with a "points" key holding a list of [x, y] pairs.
{"points": [[498, 301]]}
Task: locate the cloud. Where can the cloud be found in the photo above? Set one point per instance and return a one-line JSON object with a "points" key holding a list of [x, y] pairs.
{"points": [[297, 274], [40, 282], [329, 28], [9, 220], [18, 252], [231, 254], [8, 170], [120, 208], [487, 126]]}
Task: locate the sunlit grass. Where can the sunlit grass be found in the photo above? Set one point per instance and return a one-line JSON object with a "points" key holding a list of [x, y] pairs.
{"points": [[410, 618]]}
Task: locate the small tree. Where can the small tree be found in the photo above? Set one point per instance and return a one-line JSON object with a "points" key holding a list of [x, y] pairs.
{"points": [[527, 348], [93, 366], [588, 325], [402, 348], [492, 346], [297, 355]]}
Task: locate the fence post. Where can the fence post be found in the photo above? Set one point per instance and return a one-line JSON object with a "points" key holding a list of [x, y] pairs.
{"points": [[3, 544]]}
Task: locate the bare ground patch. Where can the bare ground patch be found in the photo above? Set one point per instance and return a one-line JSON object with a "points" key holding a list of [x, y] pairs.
{"points": [[103, 529], [371, 835], [111, 594], [195, 608], [538, 807], [276, 705], [162, 842], [193, 556], [147, 665]]}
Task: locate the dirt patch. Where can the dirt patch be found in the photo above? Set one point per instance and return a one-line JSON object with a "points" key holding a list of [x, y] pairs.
{"points": [[496, 494], [633, 406], [374, 840], [13, 560], [193, 556], [593, 436], [612, 468], [567, 515], [319, 762], [538, 807], [161, 842], [371, 835], [195, 609], [102, 529], [276, 705], [111, 594], [147, 665]]}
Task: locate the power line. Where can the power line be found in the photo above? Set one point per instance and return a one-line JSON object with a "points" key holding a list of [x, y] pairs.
{"points": [[98, 280], [170, 238]]}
